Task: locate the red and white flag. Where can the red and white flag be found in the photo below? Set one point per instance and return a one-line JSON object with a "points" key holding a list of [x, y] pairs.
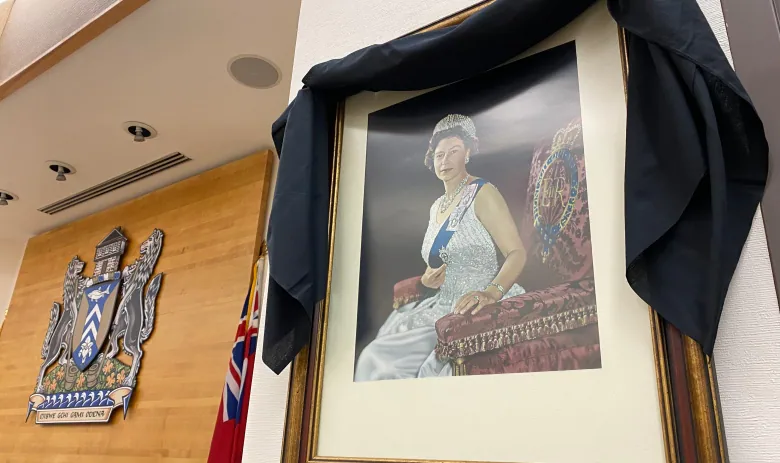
{"points": [[227, 443]]}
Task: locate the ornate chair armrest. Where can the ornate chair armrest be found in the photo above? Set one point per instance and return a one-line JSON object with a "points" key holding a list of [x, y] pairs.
{"points": [[518, 319], [409, 290]]}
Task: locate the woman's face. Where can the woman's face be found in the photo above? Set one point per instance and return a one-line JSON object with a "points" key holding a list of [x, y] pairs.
{"points": [[449, 158]]}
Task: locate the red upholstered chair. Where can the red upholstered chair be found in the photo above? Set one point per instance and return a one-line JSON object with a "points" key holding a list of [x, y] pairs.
{"points": [[554, 325]]}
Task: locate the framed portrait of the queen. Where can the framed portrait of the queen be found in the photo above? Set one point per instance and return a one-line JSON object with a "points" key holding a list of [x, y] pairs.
{"points": [[488, 207], [477, 308]]}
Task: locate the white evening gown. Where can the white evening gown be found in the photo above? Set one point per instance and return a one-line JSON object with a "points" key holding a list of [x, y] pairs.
{"points": [[404, 346]]}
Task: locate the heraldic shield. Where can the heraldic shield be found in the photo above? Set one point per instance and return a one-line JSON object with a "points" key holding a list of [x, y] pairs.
{"points": [[95, 315]]}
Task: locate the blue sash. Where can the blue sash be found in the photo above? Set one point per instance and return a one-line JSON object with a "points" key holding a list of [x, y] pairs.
{"points": [[438, 253]]}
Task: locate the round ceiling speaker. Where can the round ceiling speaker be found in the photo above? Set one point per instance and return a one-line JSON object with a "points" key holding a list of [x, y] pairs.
{"points": [[254, 71]]}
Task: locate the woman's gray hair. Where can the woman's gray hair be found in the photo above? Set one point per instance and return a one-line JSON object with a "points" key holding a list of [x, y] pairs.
{"points": [[453, 125]]}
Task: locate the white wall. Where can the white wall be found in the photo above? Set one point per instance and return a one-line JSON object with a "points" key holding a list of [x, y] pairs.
{"points": [[11, 252], [747, 355], [268, 397], [747, 352]]}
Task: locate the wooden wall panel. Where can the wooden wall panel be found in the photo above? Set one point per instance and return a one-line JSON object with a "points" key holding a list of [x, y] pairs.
{"points": [[212, 233]]}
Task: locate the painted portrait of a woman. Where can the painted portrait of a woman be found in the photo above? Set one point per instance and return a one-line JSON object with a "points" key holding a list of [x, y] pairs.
{"points": [[469, 226], [475, 249]]}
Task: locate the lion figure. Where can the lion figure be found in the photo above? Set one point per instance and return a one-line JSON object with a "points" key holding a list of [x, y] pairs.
{"points": [[134, 319], [60, 330]]}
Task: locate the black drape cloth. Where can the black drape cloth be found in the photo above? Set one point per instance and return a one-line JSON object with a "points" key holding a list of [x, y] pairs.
{"points": [[696, 155]]}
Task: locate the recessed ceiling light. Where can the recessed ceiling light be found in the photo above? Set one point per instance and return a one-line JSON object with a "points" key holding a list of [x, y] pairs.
{"points": [[6, 196], [253, 71], [139, 130], [62, 169]]}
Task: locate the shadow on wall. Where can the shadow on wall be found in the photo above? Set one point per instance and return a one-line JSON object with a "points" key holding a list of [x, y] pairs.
{"points": [[11, 253]]}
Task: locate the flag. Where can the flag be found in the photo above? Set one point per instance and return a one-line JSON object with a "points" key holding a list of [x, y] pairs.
{"points": [[227, 442]]}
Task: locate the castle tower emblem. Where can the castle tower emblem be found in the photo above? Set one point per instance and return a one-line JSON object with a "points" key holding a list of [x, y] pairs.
{"points": [[108, 253]]}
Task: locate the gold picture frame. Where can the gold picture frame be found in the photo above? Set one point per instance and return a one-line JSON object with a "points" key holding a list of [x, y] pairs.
{"points": [[686, 382]]}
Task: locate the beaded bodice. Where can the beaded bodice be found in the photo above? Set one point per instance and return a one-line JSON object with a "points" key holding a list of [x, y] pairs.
{"points": [[470, 255]]}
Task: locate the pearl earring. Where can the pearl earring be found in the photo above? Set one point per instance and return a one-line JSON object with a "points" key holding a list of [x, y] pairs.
{"points": [[467, 160]]}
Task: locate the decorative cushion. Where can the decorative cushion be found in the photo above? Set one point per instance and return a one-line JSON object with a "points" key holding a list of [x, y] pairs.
{"points": [[518, 319], [577, 349]]}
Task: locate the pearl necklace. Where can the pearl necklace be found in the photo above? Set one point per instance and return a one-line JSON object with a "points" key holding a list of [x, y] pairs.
{"points": [[448, 199]]}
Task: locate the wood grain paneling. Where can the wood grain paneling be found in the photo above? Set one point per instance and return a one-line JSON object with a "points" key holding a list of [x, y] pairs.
{"points": [[212, 233]]}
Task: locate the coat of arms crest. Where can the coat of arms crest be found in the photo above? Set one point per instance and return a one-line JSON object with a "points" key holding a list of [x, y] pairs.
{"points": [[81, 380]]}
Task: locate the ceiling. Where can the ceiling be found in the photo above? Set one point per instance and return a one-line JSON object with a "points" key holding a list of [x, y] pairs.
{"points": [[165, 65]]}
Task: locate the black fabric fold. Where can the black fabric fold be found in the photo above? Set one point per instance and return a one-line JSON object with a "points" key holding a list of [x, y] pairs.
{"points": [[483, 41], [696, 156], [696, 164]]}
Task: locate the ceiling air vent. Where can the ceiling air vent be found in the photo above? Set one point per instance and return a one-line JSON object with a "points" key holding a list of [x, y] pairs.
{"points": [[164, 163]]}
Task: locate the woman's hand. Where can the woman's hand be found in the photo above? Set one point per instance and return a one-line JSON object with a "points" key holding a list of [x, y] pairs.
{"points": [[434, 277], [474, 301]]}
